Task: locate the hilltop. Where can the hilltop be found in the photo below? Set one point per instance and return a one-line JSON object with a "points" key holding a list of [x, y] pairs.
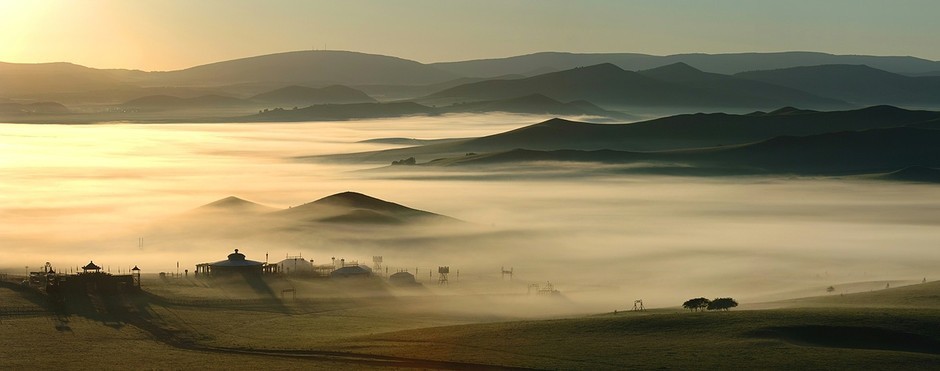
{"points": [[858, 84], [677, 85], [357, 208]]}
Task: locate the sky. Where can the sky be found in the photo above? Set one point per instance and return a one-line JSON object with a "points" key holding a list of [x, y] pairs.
{"points": [[175, 34]]}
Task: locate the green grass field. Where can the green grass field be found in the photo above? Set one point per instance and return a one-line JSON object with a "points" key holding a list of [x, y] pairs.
{"points": [[194, 326]]}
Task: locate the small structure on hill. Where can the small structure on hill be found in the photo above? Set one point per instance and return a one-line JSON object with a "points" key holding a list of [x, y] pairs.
{"points": [[402, 278], [546, 289], [296, 265], [235, 266], [352, 271], [91, 281]]}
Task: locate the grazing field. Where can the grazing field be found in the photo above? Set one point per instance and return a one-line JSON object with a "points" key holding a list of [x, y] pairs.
{"points": [[895, 328]]}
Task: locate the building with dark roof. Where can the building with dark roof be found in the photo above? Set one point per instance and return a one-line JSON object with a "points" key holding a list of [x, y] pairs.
{"points": [[402, 279], [235, 266], [352, 271]]}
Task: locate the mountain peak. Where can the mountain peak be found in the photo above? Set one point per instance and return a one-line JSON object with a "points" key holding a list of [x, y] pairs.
{"points": [[234, 204], [675, 71], [675, 68]]}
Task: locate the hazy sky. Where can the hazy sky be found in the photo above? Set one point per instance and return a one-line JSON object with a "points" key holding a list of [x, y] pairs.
{"points": [[172, 34]]}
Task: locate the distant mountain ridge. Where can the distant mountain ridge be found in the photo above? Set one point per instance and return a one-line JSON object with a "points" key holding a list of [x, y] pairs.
{"points": [[854, 83], [677, 85], [682, 81], [728, 63], [530, 104]]}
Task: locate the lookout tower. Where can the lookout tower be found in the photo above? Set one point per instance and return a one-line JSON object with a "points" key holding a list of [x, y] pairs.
{"points": [[442, 273], [505, 272], [91, 267], [135, 273]]}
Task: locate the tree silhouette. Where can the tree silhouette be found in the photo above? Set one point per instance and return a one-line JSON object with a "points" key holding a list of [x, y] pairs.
{"points": [[722, 304], [696, 304]]}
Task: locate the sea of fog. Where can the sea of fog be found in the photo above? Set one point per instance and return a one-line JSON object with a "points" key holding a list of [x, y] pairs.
{"points": [[74, 193]]}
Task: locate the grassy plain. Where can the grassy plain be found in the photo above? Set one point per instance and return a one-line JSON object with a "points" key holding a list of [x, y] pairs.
{"points": [[195, 326]]}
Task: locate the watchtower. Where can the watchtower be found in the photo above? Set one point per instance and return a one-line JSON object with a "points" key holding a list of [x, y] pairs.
{"points": [[442, 273], [505, 272]]}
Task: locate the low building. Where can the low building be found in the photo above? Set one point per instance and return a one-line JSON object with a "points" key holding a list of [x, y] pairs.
{"points": [[352, 271], [402, 279], [235, 266], [296, 265]]}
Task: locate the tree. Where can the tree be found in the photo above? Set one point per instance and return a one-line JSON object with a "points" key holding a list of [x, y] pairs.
{"points": [[830, 289], [407, 161], [696, 304], [722, 304]]}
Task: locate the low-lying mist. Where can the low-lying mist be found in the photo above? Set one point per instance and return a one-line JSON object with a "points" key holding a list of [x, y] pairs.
{"points": [[71, 194]]}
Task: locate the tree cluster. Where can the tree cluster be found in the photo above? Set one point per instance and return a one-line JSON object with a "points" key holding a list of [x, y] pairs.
{"points": [[694, 305], [407, 161]]}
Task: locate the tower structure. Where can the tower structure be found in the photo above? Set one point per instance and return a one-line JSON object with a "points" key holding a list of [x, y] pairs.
{"points": [[442, 273], [505, 272]]}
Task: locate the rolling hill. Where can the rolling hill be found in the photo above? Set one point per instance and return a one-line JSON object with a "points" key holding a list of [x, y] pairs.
{"points": [[531, 104], [356, 208], [843, 153], [324, 67], [854, 83], [303, 96], [167, 103], [677, 85], [915, 174], [669, 133], [33, 108]]}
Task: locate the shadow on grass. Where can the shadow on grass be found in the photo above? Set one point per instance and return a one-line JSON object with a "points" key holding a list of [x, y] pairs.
{"points": [[851, 337]]}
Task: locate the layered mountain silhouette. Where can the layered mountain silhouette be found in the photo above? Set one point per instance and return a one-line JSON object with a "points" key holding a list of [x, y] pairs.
{"points": [[303, 96], [729, 63], [530, 104], [669, 133], [166, 102], [854, 83], [841, 153], [303, 78], [677, 85]]}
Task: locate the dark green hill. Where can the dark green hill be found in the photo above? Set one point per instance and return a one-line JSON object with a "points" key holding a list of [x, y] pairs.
{"points": [[743, 92], [671, 86], [532, 104], [303, 96], [166, 102], [842, 153], [854, 83], [917, 174], [669, 133], [352, 111]]}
